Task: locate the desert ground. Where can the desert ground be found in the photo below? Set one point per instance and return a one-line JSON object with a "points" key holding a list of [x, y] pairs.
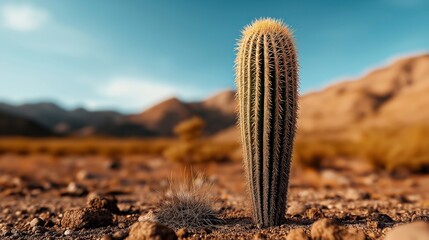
{"points": [[37, 190]]}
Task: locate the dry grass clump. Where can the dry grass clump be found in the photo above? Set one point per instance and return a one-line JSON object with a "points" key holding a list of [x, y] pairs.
{"points": [[315, 151], [188, 205], [193, 149], [391, 149], [397, 148]]}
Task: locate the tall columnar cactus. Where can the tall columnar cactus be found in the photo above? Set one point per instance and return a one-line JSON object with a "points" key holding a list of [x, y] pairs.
{"points": [[267, 82]]}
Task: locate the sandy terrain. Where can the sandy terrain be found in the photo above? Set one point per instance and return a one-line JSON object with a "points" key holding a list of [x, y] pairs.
{"points": [[45, 187]]}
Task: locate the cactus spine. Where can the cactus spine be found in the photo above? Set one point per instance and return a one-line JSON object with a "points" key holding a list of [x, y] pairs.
{"points": [[267, 89]]}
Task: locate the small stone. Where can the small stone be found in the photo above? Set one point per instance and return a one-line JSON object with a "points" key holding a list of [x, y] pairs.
{"points": [[119, 235], [315, 213], [38, 229], [325, 229], [297, 234], [74, 189], [68, 232], [297, 209], [121, 225], [5, 230], [411, 231], [353, 195], [182, 233], [86, 218], [103, 202], [259, 236], [37, 222], [114, 164], [106, 237], [150, 230], [83, 175], [148, 217]]}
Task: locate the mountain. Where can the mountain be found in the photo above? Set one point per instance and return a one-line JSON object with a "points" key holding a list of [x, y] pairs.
{"points": [[11, 125], [218, 112], [79, 121], [392, 96]]}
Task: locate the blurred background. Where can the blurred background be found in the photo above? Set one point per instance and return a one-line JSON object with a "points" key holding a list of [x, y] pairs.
{"points": [[111, 79]]}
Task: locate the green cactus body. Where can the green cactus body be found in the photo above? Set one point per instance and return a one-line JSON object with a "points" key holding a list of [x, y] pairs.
{"points": [[267, 90]]}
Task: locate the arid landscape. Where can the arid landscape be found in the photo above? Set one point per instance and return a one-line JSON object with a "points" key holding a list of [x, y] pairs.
{"points": [[360, 166]]}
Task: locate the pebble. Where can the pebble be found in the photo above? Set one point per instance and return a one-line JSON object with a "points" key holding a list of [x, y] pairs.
{"points": [[297, 234], [411, 231], [37, 222], [297, 209], [68, 232], [103, 202], [151, 230], [182, 233]]}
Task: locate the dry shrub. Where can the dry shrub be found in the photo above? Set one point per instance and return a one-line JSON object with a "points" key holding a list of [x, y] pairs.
{"points": [[315, 151], [192, 149], [397, 148], [200, 151], [188, 205], [189, 129]]}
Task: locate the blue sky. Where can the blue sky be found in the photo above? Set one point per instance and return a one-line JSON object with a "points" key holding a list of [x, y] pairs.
{"points": [[127, 55]]}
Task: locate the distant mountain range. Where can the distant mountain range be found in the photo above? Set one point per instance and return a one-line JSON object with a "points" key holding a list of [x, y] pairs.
{"points": [[159, 120], [393, 95]]}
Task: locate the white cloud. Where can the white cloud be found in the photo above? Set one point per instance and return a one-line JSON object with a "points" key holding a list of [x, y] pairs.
{"points": [[23, 18], [137, 93]]}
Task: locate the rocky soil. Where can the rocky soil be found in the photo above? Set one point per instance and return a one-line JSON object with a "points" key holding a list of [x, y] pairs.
{"points": [[44, 197]]}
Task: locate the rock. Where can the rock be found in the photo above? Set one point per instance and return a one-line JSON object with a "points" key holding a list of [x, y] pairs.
{"points": [[86, 218], [259, 236], [148, 217], [103, 202], [121, 225], [326, 229], [106, 237], [297, 209], [37, 222], [119, 235], [114, 164], [68, 232], [353, 195], [5, 230], [182, 233], [411, 231], [315, 213], [297, 234], [74, 189], [83, 175], [151, 230]]}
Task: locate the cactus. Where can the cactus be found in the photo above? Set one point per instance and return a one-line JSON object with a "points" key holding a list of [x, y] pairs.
{"points": [[267, 90]]}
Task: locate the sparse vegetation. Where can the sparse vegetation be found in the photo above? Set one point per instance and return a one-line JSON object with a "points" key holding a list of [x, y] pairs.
{"points": [[83, 146], [192, 149], [399, 148], [391, 149], [188, 205]]}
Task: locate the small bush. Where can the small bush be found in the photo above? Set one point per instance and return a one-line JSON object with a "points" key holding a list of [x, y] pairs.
{"points": [[188, 205], [392, 149]]}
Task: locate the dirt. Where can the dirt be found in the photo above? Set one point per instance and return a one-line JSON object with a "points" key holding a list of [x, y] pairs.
{"points": [[45, 197]]}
